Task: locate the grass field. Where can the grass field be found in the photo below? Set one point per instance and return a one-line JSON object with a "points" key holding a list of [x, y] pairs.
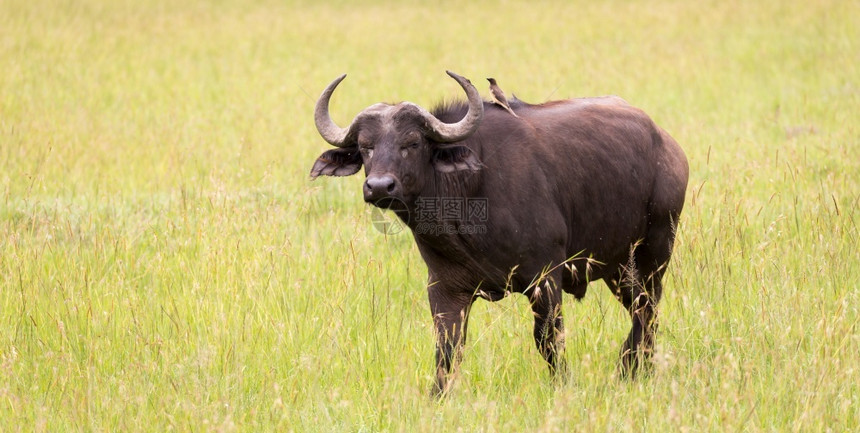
{"points": [[166, 263]]}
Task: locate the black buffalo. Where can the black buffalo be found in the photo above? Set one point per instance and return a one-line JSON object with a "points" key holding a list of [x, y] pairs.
{"points": [[569, 192]]}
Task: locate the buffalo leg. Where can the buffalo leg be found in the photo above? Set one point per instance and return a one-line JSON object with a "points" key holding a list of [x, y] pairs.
{"points": [[549, 326], [450, 317], [639, 345], [639, 287]]}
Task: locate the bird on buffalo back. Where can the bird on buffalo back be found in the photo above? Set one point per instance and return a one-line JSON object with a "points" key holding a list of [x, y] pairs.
{"points": [[498, 96]]}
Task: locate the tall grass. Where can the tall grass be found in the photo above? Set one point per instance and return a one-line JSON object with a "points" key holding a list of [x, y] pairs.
{"points": [[165, 262]]}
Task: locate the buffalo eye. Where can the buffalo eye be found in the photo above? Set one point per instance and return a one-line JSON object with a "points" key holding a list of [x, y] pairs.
{"points": [[404, 150], [366, 146]]}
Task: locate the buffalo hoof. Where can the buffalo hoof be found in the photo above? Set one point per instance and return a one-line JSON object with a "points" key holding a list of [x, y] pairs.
{"points": [[635, 365]]}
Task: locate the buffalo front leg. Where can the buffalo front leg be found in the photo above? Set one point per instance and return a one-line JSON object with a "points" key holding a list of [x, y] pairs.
{"points": [[545, 300], [450, 317]]}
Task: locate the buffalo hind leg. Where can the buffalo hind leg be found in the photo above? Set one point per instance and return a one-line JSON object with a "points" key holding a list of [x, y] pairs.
{"points": [[546, 300], [450, 317], [639, 288]]}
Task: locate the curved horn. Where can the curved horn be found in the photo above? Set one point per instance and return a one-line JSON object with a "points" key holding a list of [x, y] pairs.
{"points": [[450, 132], [329, 131]]}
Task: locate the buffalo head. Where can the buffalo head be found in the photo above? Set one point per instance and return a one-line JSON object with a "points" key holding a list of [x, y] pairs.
{"points": [[399, 145]]}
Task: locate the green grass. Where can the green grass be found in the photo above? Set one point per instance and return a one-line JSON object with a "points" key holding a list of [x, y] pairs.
{"points": [[166, 263]]}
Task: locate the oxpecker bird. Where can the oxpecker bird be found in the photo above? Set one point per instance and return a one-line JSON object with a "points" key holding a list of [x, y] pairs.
{"points": [[499, 96]]}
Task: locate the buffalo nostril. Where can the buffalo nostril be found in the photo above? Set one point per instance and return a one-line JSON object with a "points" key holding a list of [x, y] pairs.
{"points": [[379, 186]]}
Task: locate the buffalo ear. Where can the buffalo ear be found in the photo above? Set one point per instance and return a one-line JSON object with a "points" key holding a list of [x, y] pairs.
{"points": [[449, 159], [337, 162]]}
